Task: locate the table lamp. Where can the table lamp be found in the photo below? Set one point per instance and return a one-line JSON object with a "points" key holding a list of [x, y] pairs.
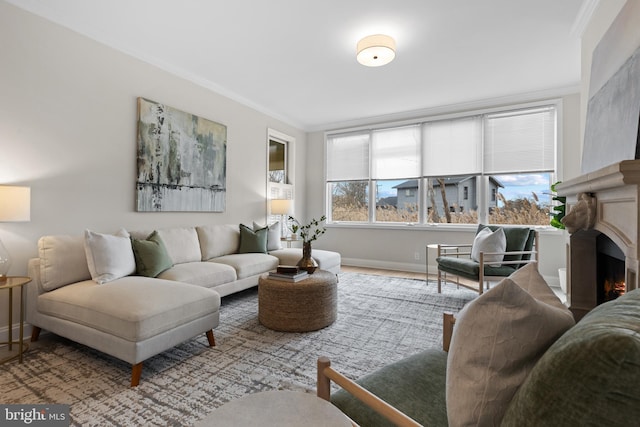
{"points": [[284, 208], [15, 206]]}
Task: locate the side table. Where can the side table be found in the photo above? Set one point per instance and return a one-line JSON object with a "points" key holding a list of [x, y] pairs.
{"points": [[10, 353], [290, 240], [426, 256], [277, 408]]}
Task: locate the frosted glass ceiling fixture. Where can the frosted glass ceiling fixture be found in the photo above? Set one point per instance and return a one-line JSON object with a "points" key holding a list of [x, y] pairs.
{"points": [[376, 50]]}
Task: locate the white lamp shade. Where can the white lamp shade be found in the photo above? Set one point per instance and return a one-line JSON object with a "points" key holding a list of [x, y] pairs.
{"points": [[15, 204], [376, 50], [281, 206]]}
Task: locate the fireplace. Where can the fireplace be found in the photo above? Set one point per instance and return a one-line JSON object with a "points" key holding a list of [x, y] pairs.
{"points": [[602, 249], [610, 282]]}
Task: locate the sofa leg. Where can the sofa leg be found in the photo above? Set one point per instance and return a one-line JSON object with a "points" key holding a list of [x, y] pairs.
{"points": [[210, 338], [136, 373], [35, 333]]}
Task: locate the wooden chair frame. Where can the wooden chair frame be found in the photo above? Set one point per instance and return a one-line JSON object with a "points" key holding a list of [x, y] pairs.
{"points": [[326, 374], [464, 250]]}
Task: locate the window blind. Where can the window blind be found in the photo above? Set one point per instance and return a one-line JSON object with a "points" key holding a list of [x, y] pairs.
{"points": [[348, 157], [396, 153], [520, 141], [452, 147]]}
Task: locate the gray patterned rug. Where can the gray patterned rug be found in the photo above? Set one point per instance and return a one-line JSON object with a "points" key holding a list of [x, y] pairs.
{"points": [[380, 320]]}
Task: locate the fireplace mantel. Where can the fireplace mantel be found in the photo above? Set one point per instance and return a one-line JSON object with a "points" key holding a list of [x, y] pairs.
{"points": [[616, 189]]}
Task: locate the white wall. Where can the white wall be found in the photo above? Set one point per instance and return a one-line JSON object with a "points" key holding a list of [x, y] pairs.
{"points": [[396, 248], [68, 130]]}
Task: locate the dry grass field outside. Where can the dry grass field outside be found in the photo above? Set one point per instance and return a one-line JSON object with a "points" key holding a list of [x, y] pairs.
{"points": [[516, 212]]}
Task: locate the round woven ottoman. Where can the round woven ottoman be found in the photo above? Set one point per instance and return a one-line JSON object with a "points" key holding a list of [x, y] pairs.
{"points": [[303, 306]]}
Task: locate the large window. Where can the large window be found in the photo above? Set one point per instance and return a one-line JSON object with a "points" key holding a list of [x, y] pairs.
{"points": [[495, 167]]}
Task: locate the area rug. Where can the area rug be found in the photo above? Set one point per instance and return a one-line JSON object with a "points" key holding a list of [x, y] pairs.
{"points": [[380, 320]]}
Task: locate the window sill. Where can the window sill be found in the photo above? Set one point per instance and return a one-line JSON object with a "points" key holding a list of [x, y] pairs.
{"points": [[542, 229]]}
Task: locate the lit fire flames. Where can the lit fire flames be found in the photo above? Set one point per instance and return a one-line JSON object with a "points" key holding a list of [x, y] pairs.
{"points": [[613, 289]]}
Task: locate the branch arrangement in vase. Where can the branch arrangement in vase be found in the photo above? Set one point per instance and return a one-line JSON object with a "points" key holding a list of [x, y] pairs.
{"points": [[310, 231]]}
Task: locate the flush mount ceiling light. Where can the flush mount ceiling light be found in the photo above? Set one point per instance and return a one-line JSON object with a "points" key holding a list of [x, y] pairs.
{"points": [[376, 50]]}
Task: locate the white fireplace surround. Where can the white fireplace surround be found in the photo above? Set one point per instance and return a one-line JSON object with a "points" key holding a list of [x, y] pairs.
{"points": [[616, 189]]}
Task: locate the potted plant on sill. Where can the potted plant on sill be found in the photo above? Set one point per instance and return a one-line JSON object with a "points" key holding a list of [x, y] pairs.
{"points": [[558, 210], [308, 233]]}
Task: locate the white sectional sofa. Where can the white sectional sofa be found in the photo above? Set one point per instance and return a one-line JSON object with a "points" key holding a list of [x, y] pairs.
{"points": [[103, 303]]}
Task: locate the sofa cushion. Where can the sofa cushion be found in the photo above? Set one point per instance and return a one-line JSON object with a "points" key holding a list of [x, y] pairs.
{"points": [[151, 255], [252, 241], [133, 308], [109, 256], [274, 232], [218, 240], [62, 261], [489, 241], [207, 274], [414, 385], [249, 264], [589, 376], [182, 244], [497, 340]]}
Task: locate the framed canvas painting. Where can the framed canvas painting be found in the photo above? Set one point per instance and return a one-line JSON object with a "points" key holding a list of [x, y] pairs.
{"points": [[181, 161]]}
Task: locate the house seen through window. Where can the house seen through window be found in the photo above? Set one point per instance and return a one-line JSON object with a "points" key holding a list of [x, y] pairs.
{"points": [[493, 167]]}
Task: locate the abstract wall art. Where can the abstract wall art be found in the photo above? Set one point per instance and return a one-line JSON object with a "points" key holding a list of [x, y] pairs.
{"points": [[181, 161]]}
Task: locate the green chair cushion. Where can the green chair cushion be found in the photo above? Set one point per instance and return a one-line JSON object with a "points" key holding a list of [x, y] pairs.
{"points": [[470, 269], [589, 376], [414, 385]]}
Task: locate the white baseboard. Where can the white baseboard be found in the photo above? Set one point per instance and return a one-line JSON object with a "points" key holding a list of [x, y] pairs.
{"points": [[4, 332], [385, 265], [553, 281]]}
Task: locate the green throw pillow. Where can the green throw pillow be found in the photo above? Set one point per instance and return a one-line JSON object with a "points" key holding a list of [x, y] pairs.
{"points": [[151, 255], [253, 240], [589, 376]]}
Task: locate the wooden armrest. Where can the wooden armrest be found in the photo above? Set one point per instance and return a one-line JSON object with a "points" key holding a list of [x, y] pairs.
{"points": [[447, 329], [326, 374]]}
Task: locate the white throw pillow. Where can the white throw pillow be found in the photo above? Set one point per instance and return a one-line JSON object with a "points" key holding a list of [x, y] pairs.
{"points": [[274, 232], [489, 241], [497, 339], [109, 256]]}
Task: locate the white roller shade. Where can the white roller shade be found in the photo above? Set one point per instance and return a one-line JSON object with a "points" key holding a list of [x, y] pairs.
{"points": [[396, 153], [348, 157], [452, 147], [520, 141]]}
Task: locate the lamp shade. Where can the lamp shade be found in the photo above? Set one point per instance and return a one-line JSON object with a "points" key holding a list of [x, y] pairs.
{"points": [[281, 206], [15, 204], [376, 50]]}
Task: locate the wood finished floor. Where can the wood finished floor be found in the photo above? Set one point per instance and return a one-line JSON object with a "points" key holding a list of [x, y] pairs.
{"points": [[382, 272]]}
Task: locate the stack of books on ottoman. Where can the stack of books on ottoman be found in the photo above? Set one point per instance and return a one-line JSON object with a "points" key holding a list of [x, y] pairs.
{"points": [[288, 273]]}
